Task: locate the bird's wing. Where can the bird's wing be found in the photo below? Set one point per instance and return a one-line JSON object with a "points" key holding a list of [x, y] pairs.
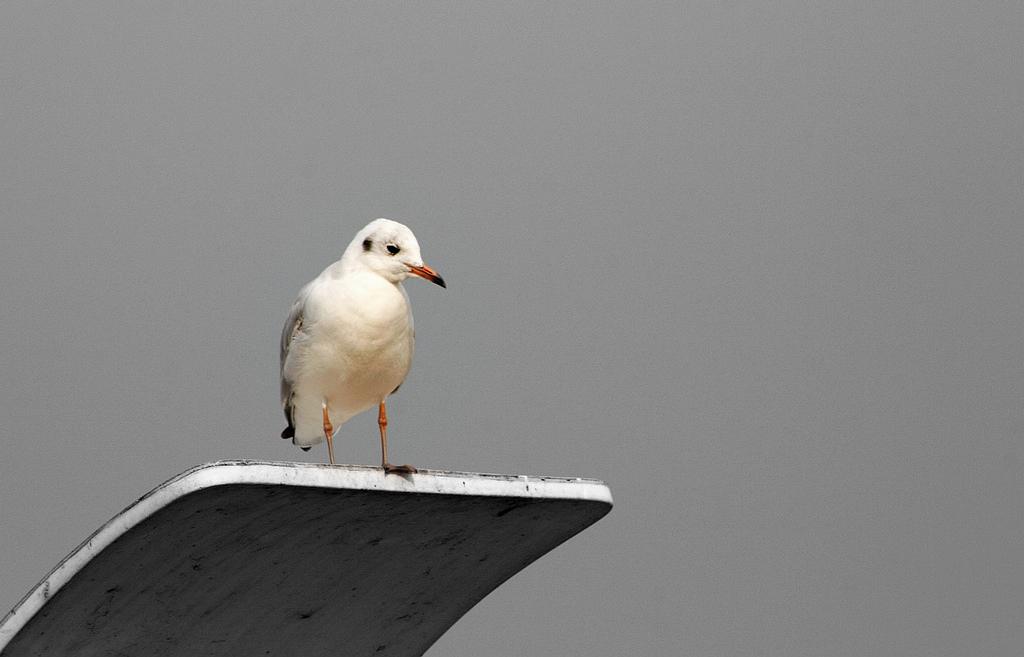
{"points": [[292, 327]]}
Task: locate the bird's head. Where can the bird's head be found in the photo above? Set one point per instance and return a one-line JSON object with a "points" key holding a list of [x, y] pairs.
{"points": [[390, 250]]}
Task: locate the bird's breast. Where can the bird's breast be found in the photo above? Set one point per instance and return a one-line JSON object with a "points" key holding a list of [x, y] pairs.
{"points": [[362, 335]]}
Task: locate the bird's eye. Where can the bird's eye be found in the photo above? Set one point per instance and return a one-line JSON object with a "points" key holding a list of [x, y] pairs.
{"points": [[392, 249]]}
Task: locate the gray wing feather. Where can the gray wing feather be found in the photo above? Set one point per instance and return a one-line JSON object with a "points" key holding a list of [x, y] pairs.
{"points": [[292, 326]]}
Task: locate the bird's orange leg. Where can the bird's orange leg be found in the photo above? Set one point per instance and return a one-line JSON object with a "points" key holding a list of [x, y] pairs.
{"points": [[382, 420], [329, 432]]}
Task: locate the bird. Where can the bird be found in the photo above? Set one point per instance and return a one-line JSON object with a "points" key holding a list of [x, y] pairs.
{"points": [[347, 344]]}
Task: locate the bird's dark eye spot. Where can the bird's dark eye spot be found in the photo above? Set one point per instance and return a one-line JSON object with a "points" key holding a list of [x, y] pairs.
{"points": [[392, 249], [367, 244]]}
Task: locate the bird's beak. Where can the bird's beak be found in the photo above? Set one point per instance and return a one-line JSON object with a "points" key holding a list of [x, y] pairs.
{"points": [[427, 273]]}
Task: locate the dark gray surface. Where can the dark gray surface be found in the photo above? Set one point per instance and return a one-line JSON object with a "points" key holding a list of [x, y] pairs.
{"points": [[250, 569]]}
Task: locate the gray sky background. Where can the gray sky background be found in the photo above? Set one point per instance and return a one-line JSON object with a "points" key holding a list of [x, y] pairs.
{"points": [[756, 265]]}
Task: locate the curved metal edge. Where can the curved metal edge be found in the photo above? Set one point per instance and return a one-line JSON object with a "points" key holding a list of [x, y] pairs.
{"points": [[219, 473]]}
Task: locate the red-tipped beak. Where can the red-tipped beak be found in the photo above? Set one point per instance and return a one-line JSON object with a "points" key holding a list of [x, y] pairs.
{"points": [[427, 273]]}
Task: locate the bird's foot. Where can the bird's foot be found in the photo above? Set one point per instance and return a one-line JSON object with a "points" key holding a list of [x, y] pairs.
{"points": [[399, 469]]}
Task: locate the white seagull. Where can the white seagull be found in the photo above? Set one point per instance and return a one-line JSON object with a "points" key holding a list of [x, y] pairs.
{"points": [[348, 341]]}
